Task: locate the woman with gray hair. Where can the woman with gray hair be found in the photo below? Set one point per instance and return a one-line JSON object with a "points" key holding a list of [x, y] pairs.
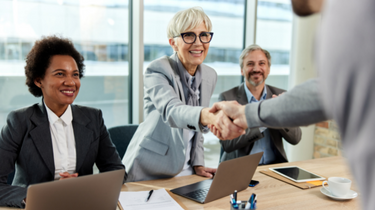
{"points": [[177, 88]]}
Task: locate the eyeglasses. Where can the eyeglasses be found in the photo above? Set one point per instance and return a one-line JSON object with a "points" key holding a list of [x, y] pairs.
{"points": [[190, 37]]}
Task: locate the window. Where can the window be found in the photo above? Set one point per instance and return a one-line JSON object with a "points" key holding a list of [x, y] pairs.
{"points": [[273, 33], [99, 32]]}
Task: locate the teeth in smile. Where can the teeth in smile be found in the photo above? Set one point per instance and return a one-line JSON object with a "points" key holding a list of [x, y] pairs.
{"points": [[196, 52], [67, 91]]}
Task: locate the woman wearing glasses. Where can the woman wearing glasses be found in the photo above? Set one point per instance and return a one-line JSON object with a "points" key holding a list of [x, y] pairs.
{"points": [[177, 88]]}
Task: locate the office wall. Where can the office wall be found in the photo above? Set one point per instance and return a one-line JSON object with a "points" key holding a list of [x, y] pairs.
{"points": [[327, 140], [303, 69]]}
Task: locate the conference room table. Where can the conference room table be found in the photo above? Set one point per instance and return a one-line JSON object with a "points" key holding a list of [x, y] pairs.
{"points": [[271, 193]]}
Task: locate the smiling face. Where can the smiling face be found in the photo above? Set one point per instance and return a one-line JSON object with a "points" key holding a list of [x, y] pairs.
{"points": [[61, 83], [255, 68], [191, 55]]}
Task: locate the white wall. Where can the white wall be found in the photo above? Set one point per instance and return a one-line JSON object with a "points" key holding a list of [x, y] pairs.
{"points": [[302, 69]]}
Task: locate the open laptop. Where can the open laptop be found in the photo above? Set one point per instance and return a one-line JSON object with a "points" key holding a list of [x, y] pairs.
{"points": [[94, 192], [231, 175]]}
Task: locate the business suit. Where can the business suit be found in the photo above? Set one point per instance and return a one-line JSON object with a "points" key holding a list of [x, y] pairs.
{"points": [[25, 142], [243, 145], [157, 149]]}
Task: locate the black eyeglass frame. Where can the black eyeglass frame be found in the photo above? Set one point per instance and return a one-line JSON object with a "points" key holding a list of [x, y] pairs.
{"points": [[195, 39]]}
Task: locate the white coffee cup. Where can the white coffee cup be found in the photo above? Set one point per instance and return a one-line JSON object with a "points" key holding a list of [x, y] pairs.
{"points": [[338, 186]]}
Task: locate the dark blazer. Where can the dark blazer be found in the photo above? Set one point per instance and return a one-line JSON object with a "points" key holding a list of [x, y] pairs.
{"points": [[242, 145], [26, 144]]}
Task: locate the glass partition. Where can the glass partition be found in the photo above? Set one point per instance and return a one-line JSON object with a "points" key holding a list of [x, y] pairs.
{"points": [[99, 31]]}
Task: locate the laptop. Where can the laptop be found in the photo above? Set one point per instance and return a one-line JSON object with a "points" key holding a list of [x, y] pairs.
{"points": [[95, 192], [231, 175]]}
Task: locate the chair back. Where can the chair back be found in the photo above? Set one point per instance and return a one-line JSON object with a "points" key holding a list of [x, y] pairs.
{"points": [[121, 136]]}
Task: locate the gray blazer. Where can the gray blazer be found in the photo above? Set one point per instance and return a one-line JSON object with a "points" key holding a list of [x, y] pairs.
{"points": [[157, 149], [242, 145], [25, 143]]}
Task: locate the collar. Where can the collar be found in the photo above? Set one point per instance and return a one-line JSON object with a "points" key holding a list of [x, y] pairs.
{"points": [[67, 117], [250, 96]]}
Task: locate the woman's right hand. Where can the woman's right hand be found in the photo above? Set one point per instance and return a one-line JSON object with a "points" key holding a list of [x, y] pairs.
{"points": [[225, 126]]}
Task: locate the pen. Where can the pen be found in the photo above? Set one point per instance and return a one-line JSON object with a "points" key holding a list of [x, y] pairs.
{"points": [[250, 201], [235, 196], [149, 195], [234, 203]]}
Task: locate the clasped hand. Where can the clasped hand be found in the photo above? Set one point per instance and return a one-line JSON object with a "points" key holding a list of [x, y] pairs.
{"points": [[230, 120]]}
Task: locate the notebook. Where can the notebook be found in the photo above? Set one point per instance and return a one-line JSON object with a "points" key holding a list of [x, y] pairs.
{"points": [[231, 175], [93, 192]]}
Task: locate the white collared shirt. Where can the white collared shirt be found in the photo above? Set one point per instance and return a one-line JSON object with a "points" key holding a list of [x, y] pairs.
{"points": [[63, 141]]}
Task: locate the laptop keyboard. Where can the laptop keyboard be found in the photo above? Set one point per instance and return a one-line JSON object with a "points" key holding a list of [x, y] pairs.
{"points": [[198, 194]]}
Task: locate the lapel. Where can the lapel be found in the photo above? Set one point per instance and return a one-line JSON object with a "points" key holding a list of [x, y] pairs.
{"points": [[269, 93], [241, 95], [41, 136], [83, 135], [173, 62]]}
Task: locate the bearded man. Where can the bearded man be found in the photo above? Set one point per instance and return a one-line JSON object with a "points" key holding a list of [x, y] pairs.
{"points": [[255, 64]]}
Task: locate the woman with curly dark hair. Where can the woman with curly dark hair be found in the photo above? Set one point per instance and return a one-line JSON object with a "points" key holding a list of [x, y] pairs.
{"points": [[54, 139]]}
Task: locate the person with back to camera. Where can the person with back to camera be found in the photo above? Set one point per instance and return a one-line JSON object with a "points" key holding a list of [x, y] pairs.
{"points": [[54, 139], [177, 88], [342, 91]]}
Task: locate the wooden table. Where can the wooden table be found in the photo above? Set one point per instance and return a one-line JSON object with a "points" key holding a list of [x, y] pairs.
{"points": [[272, 193]]}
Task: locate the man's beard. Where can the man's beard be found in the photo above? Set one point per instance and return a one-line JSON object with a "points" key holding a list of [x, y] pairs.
{"points": [[255, 84]]}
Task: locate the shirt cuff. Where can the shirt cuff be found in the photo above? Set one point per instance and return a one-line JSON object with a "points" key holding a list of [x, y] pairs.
{"points": [[262, 129]]}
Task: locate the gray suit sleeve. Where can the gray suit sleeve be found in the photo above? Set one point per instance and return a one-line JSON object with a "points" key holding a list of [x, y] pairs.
{"points": [[10, 143], [300, 106], [158, 87]]}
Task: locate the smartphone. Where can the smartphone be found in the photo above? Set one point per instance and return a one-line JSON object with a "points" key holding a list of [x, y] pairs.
{"points": [[253, 183]]}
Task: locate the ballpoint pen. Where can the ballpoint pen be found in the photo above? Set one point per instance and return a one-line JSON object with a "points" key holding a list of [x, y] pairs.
{"points": [[250, 201], [233, 202], [235, 196], [149, 195]]}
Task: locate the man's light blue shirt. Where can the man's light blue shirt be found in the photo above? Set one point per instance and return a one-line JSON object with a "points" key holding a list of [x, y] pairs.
{"points": [[264, 144]]}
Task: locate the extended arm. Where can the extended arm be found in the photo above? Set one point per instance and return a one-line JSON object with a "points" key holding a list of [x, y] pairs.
{"points": [[160, 87], [299, 107]]}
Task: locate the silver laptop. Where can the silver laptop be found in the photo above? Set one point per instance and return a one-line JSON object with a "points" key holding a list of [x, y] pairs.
{"points": [[92, 192], [231, 175]]}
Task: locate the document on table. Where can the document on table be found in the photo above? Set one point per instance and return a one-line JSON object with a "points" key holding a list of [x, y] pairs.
{"points": [[159, 200]]}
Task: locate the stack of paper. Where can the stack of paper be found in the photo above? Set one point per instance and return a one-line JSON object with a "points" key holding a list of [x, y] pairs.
{"points": [[160, 200]]}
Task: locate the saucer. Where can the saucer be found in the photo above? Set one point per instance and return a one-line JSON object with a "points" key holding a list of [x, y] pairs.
{"points": [[351, 194]]}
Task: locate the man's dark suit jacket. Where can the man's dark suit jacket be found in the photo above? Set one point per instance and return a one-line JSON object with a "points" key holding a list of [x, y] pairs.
{"points": [[26, 144], [242, 145]]}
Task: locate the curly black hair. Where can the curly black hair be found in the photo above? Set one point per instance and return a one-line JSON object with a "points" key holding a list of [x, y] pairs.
{"points": [[38, 59]]}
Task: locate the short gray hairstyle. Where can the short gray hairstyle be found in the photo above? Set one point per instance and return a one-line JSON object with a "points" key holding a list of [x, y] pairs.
{"points": [[252, 48], [187, 19]]}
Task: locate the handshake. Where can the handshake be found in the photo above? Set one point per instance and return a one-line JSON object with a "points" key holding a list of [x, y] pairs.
{"points": [[226, 119]]}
